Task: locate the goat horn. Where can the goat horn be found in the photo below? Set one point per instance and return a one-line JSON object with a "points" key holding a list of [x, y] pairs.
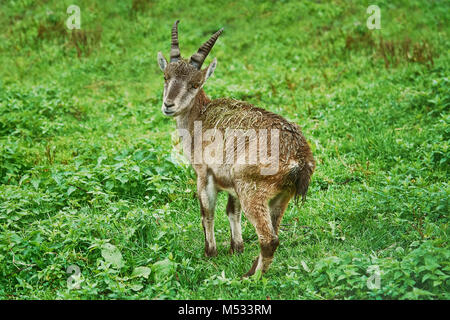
{"points": [[175, 49], [198, 58]]}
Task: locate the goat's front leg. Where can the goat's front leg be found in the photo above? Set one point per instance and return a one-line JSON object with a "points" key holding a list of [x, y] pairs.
{"points": [[234, 217], [207, 193]]}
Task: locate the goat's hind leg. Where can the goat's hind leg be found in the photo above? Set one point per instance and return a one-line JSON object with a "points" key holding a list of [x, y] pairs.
{"points": [[257, 212], [234, 217], [277, 207]]}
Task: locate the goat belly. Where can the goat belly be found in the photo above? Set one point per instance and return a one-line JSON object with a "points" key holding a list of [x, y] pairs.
{"points": [[223, 178]]}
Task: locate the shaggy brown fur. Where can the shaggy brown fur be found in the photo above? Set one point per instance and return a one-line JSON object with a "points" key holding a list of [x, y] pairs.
{"points": [[224, 113]]}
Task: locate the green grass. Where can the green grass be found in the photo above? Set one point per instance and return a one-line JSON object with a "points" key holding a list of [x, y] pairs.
{"points": [[86, 176]]}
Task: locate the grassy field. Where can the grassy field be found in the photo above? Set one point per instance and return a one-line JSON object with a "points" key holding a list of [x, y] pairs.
{"points": [[88, 181]]}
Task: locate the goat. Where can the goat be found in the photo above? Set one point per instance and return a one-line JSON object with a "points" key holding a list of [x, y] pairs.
{"points": [[263, 196]]}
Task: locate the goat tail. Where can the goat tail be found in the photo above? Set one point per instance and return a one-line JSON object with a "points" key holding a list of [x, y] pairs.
{"points": [[299, 178]]}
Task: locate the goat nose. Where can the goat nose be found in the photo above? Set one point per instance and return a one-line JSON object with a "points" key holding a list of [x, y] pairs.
{"points": [[169, 104]]}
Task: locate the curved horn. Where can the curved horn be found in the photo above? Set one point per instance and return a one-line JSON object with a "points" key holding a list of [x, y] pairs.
{"points": [[198, 58], [174, 49]]}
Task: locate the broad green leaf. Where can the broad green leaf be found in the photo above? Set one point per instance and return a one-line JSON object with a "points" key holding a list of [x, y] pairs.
{"points": [[141, 272], [163, 269], [70, 190], [136, 287], [112, 255]]}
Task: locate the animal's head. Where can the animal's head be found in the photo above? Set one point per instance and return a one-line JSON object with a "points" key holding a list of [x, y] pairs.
{"points": [[184, 78]]}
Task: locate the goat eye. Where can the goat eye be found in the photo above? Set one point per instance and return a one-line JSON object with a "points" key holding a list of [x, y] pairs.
{"points": [[195, 86], [166, 78]]}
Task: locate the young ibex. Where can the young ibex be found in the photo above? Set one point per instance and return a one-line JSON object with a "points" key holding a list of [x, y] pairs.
{"points": [[263, 195]]}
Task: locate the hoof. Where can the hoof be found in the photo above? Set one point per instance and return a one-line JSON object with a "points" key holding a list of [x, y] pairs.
{"points": [[236, 247], [210, 252]]}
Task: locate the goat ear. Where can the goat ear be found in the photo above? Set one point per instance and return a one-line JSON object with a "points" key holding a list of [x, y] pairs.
{"points": [[162, 61], [211, 69]]}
